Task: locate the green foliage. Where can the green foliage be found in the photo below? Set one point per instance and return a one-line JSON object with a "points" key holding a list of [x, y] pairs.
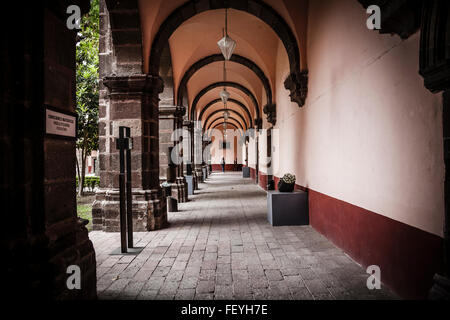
{"points": [[87, 79], [90, 182], [87, 86], [85, 211]]}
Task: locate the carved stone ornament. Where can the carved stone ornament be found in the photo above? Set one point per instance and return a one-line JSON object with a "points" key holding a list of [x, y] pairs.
{"points": [[270, 110], [401, 17], [297, 84]]}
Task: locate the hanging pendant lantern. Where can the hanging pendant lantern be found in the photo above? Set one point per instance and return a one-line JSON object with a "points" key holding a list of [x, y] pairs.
{"points": [[226, 114], [224, 95], [226, 44]]}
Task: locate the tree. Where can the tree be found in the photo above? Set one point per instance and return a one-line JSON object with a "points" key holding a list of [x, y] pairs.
{"points": [[87, 88]]}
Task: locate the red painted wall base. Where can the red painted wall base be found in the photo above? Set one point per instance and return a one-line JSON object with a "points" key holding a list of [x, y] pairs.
{"points": [[228, 167], [408, 257]]}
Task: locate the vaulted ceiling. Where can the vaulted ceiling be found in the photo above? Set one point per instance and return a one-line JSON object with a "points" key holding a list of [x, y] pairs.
{"points": [[193, 29]]}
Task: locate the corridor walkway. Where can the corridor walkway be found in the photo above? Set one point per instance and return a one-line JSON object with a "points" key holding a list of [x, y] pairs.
{"points": [[220, 246]]}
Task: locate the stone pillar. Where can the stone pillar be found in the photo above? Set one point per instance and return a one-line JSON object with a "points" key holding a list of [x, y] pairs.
{"points": [[179, 114], [441, 287], [446, 118], [197, 144], [169, 119], [189, 168], [42, 236], [133, 102]]}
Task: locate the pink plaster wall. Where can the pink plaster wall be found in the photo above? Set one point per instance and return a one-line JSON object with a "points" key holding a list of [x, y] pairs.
{"points": [[370, 134]]}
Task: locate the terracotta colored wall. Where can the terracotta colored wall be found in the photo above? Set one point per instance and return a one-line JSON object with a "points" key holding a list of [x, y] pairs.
{"points": [[370, 134], [235, 151]]}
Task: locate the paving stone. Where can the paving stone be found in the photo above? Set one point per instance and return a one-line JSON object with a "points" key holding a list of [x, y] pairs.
{"points": [[316, 286], [209, 265], [161, 271], [169, 288], [224, 279], [204, 296], [223, 292], [133, 288], [166, 262], [189, 283], [154, 283], [205, 287], [175, 275], [221, 249], [273, 275], [185, 294]]}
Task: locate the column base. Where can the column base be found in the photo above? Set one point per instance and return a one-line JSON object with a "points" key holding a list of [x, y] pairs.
{"points": [[182, 186], [205, 172], [149, 210], [199, 173], [440, 289], [195, 179], [82, 254]]}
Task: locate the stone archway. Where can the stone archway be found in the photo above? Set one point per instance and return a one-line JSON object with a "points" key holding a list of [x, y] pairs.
{"points": [[230, 110], [296, 82], [224, 84], [221, 118], [219, 57], [240, 104], [219, 124]]}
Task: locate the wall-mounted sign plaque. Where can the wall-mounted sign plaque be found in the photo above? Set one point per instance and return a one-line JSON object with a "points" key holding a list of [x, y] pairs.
{"points": [[61, 124]]}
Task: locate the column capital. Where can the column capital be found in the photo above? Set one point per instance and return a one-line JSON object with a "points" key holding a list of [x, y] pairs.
{"points": [[181, 111], [134, 84], [258, 123], [189, 124], [170, 110]]}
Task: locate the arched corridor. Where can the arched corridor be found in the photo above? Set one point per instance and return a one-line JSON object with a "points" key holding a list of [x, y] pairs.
{"points": [[302, 99], [221, 246]]}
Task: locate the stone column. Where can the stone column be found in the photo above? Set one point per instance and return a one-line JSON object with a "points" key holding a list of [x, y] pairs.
{"points": [[133, 102], [42, 236], [179, 114], [441, 287], [197, 157], [169, 118], [188, 147]]}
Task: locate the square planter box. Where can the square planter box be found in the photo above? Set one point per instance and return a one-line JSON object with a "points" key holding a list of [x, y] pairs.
{"points": [[287, 208], [190, 184], [245, 172]]}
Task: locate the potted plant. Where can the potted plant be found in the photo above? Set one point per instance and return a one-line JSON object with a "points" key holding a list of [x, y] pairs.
{"points": [[167, 188], [287, 183]]}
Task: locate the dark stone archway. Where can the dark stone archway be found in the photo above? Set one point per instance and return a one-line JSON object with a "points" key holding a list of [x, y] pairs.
{"points": [[221, 118], [435, 69], [231, 124], [126, 38], [219, 57], [256, 8], [230, 110], [224, 84], [240, 104]]}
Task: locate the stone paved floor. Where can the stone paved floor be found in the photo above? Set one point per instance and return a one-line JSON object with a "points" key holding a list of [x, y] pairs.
{"points": [[220, 246]]}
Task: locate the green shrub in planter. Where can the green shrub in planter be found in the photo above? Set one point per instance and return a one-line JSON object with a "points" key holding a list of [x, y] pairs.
{"points": [[89, 182]]}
